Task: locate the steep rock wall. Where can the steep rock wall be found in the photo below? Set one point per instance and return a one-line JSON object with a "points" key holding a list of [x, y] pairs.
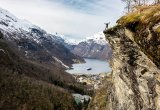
{"points": [[135, 79], [134, 83]]}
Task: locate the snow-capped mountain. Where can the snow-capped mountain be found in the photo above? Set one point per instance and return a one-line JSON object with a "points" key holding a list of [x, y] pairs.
{"points": [[10, 24], [93, 47], [67, 40], [98, 38], [34, 42]]}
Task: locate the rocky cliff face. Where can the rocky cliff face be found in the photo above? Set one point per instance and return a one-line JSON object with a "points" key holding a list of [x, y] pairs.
{"points": [[134, 83]]}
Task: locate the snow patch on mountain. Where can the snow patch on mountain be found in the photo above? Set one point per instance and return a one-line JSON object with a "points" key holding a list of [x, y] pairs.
{"points": [[35, 41], [60, 62], [93, 47], [12, 23], [68, 40], [98, 38]]}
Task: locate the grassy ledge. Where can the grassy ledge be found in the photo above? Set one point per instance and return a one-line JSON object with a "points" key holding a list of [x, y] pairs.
{"points": [[146, 15], [144, 22]]}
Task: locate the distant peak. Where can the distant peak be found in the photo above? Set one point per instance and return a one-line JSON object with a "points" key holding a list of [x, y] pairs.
{"points": [[10, 22], [98, 38]]}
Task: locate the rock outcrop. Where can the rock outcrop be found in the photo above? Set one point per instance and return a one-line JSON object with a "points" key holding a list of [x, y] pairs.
{"points": [[134, 83]]}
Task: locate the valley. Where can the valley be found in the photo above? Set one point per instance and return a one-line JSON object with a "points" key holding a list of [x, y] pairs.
{"points": [[115, 69], [35, 62]]}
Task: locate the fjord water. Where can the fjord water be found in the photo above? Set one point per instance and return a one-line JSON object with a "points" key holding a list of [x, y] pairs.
{"points": [[97, 66]]}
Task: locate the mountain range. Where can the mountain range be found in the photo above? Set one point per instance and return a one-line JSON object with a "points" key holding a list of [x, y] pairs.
{"points": [[32, 68], [35, 43], [94, 47]]}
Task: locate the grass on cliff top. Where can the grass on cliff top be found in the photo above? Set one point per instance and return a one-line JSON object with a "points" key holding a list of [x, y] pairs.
{"points": [[158, 30], [148, 15]]}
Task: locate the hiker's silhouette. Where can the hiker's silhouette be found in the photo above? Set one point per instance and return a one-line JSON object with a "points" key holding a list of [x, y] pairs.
{"points": [[107, 25]]}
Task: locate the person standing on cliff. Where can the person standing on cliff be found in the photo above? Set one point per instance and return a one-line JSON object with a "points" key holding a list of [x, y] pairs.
{"points": [[107, 25]]}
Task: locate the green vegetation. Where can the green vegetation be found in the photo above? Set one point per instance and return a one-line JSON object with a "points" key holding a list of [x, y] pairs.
{"points": [[102, 96], [11, 63], [112, 30], [158, 30], [19, 92], [144, 23], [31, 85], [145, 15]]}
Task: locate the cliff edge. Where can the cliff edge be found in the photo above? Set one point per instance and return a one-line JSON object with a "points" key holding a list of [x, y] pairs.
{"points": [[134, 83]]}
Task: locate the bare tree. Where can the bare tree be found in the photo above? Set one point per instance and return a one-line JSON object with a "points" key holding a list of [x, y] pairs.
{"points": [[128, 5], [157, 1], [137, 2]]}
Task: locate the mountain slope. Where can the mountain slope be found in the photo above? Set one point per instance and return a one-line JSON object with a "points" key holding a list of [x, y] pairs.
{"points": [[35, 43], [32, 68], [93, 47], [134, 83], [19, 92], [27, 84]]}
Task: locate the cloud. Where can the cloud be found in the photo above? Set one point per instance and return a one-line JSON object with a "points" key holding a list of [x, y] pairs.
{"points": [[76, 18]]}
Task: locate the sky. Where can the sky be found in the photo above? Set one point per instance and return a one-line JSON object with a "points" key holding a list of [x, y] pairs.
{"points": [[74, 18]]}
